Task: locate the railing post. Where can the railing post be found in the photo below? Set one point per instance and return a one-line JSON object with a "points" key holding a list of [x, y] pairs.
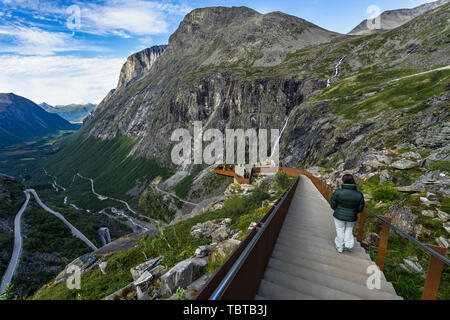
{"points": [[434, 272], [362, 222], [382, 249]]}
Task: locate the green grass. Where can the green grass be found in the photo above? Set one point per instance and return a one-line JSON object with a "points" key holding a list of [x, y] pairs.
{"points": [[108, 163], [184, 186], [174, 243]]}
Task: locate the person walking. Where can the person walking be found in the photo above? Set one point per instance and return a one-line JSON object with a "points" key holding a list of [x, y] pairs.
{"points": [[346, 202]]}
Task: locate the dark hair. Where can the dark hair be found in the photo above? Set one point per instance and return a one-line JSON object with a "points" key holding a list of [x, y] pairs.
{"points": [[348, 179]]}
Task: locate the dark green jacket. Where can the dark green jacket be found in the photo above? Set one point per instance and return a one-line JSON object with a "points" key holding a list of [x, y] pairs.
{"points": [[347, 203]]}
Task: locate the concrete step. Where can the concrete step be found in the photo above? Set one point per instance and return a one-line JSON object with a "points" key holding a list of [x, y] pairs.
{"points": [[356, 286], [306, 286], [272, 291]]}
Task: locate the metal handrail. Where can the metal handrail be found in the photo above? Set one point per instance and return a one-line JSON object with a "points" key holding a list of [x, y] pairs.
{"points": [[403, 234], [220, 290], [407, 236]]}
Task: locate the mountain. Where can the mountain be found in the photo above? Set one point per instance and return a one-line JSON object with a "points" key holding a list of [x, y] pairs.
{"points": [[395, 18], [207, 40], [237, 68], [139, 63], [21, 119], [373, 105], [74, 113]]}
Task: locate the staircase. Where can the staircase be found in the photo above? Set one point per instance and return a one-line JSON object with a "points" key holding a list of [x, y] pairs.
{"points": [[305, 264]]}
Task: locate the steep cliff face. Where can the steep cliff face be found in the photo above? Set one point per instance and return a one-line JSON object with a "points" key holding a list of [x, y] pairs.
{"points": [[236, 68], [138, 63], [395, 18], [183, 85]]}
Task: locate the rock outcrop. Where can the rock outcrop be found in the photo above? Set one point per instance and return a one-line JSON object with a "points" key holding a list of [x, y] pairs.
{"points": [[137, 64]]}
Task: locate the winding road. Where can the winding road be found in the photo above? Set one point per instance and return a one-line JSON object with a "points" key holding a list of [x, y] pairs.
{"points": [[9, 273]]}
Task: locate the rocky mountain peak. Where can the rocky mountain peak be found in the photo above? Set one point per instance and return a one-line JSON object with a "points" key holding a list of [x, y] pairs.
{"points": [[138, 63], [392, 19]]}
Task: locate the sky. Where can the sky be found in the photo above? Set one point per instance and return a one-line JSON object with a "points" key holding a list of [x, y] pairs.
{"points": [[63, 52]]}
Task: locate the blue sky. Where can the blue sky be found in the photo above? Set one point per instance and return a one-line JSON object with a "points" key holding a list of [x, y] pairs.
{"points": [[65, 52]]}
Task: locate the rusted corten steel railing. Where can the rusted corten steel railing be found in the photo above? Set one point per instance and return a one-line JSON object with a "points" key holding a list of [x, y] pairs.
{"points": [[238, 278], [437, 258], [231, 173]]}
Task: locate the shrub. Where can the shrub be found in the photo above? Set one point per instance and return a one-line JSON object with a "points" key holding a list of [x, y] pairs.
{"points": [[236, 205], [385, 192], [256, 197], [155, 206], [282, 180]]}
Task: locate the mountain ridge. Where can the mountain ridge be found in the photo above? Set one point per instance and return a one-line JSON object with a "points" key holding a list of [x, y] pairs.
{"points": [[392, 19], [22, 119]]}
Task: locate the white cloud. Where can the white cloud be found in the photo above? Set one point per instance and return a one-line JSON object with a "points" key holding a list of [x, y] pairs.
{"points": [[59, 79], [113, 17], [35, 41]]}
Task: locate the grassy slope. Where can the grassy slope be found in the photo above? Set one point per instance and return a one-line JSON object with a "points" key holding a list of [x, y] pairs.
{"points": [[407, 285], [174, 244], [107, 162]]}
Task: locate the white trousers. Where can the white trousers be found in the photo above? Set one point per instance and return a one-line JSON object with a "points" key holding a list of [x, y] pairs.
{"points": [[344, 234]]}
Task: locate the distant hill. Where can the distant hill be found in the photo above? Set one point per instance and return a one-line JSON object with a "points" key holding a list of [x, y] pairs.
{"points": [[395, 18], [74, 113], [21, 119]]}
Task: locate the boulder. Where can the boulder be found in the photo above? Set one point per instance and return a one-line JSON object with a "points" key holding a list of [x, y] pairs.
{"points": [[201, 252], [205, 229], [410, 189], [196, 286], [411, 265], [252, 225], [402, 217], [443, 216], [142, 295], [447, 226], [443, 242], [384, 176], [404, 164], [371, 239], [137, 271], [432, 196], [421, 232], [427, 202], [181, 275], [412, 155], [226, 222], [429, 213], [221, 234], [158, 271], [144, 281], [226, 247], [126, 293]]}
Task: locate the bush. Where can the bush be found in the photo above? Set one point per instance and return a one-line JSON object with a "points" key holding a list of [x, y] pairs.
{"points": [[385, 192], [282, 180], [256, 197], [236, 205], [155, 206]]}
